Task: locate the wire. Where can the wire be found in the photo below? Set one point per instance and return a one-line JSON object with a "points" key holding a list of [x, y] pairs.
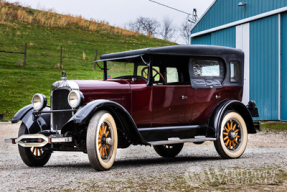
{"points": [[170, 7]]}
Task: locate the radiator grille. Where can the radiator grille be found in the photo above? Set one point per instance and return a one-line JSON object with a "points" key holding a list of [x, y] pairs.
{"points": [[59, 102]]}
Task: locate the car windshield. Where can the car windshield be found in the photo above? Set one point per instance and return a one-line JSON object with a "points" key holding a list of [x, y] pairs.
{"points": [[123, 69]]}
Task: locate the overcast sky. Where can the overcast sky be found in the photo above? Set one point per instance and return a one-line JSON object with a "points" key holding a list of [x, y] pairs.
{"points": [[120, 12]]}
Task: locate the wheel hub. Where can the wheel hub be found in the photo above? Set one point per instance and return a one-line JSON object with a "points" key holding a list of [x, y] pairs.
{"points": [[231, 135]]}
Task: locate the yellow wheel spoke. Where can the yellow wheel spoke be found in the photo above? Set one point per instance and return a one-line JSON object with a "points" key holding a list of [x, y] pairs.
{"points": [[227, 142], [231, 125], [225, 133], [107, 147], [237, 136], [228, 126], [236, 130], [230, 145], [99, 141], [107, 133], [225, 138], [101, 130], [33, 149], [105, 151], [234, 127], [235, 141], [105, 129], [100, 145], [36, 152], [226, 129], [233, 144], [101, 149]]}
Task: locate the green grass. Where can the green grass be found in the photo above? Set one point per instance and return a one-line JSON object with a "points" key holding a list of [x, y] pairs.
{"points": [[274, 126], [18, 84]]}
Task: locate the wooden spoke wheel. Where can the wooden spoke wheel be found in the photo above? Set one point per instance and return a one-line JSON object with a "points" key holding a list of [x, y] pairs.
{"points": [[233, 136], [32, 156], [36, 151], [231, 133], [102, 141]]}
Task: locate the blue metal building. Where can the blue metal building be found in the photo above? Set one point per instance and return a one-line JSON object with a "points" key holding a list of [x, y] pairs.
{"points": [[259, 28]]}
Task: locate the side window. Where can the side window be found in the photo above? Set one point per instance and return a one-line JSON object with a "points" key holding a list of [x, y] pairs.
{"points": [[206, 73], [171, 75], [206, 68], [234, 71]]}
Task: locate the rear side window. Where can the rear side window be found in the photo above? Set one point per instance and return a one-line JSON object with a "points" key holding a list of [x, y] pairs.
{"points": [[206, 68], [206, 73], [234, 71]]}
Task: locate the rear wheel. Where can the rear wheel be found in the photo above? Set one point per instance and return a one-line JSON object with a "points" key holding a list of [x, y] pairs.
{"points": [[233, 136], [168, 150], [32, 156], [102, 141]]}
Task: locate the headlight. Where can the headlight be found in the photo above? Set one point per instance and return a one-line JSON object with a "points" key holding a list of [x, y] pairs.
{"points": [[39, 101], [75, 98]]}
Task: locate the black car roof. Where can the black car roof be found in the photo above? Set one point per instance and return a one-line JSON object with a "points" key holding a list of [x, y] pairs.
{"points": [[179, 50]]}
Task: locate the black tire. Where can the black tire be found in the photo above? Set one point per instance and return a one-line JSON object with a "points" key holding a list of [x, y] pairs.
{"points": [[28, 153], [168, 150], [233, 137], [102, 153]]}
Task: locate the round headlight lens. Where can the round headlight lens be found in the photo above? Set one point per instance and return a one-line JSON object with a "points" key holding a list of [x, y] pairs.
{"points": [[39, 101], [74, 99]]}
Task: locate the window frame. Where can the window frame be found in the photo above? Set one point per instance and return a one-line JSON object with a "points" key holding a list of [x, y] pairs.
{"points": [[234, 81]]}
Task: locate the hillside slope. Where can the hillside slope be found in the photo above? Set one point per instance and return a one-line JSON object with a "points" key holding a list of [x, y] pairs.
{"points": [[45, 32]]}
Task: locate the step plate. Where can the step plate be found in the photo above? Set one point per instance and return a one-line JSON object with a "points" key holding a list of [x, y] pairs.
{"points": [[166, 142]]}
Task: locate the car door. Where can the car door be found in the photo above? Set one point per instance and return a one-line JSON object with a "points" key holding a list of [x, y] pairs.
{"points": [[206, 76], [169, 100]]}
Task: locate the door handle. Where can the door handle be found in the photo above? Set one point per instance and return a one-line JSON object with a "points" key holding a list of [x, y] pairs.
{"points": [[184, 97], [217, 96]]}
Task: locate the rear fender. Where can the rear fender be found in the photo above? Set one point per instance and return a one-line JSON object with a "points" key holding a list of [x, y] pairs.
{"points": [[33, 124], [124, 121], [218, 114]]}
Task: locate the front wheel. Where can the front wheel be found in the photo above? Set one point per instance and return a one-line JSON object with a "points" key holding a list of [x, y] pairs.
{"points": [[102, 141], [233, 136], [168, 150], [32, 156]]}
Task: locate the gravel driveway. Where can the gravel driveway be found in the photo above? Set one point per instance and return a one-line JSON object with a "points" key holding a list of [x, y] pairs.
{"points": [[199, 167]]}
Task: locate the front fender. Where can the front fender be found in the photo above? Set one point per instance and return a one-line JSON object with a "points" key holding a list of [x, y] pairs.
{"points": [[120, 114], [34, 125], [21, 113], [237, 106]]}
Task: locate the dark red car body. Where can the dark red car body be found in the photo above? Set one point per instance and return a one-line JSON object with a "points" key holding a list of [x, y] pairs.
{"points": [[174, 94]]}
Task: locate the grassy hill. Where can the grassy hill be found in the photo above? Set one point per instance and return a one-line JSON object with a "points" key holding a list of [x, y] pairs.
{"points": [[45, 32]]}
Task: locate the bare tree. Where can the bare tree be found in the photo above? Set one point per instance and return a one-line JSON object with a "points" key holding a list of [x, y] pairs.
{"points": [[185, 29], [167, 31], [145, 25]]}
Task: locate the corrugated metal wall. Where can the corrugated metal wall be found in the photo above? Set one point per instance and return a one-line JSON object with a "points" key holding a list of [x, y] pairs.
{"points": [[226, 37], [203, 39], [284, 67], [264, 66], [216, 16]]}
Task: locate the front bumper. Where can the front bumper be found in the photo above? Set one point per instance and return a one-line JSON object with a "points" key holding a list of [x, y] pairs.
{"points": [[38, 140]]}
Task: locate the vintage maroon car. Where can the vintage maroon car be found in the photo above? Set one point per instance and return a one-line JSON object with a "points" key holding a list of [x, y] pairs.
{"points": [[161, 97]]}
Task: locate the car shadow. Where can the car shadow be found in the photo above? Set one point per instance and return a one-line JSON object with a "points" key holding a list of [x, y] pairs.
{"points": [[131, 163]]}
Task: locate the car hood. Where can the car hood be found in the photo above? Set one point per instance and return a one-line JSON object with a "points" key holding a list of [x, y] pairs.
{"points": [[103, 86], [114, 90]]}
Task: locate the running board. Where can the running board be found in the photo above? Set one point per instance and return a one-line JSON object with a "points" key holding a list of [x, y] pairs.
{"points": [[178, 140]]}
